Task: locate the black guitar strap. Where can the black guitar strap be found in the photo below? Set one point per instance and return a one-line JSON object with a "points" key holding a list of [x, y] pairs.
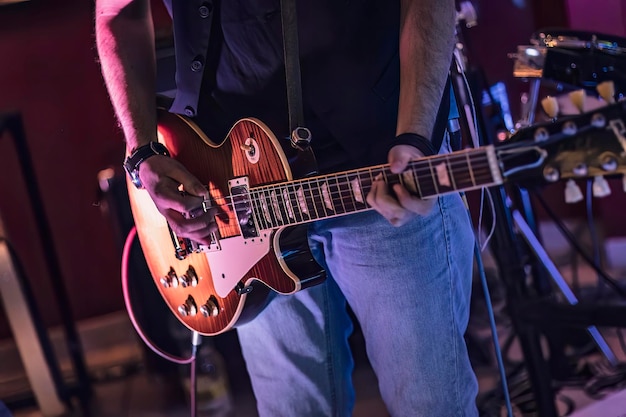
{"points": [[300, 135]]}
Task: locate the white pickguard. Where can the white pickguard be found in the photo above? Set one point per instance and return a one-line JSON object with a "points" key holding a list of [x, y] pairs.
{"points": [[234, 260]]}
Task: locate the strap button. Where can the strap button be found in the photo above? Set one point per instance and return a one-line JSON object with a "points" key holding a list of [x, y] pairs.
{"points": [[205, 10], [190, 111]]}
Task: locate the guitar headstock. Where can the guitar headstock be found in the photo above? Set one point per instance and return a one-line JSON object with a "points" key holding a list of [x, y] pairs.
{"points": [[590, 144]]}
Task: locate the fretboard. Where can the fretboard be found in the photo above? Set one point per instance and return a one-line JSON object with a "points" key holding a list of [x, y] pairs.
{"points": [[332, 195]]}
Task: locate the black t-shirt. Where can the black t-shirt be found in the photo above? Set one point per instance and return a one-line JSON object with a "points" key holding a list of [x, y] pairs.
{"points": [[349, 65]]}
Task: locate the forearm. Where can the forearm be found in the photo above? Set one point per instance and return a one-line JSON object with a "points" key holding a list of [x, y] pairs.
{"points": [[426, 44], [125, 42]]}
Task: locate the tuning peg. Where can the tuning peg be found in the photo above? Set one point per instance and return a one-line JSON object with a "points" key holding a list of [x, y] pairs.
{"points": [[606, 90], [551, 106], [600, 187], [573, 194], [578, 99]]}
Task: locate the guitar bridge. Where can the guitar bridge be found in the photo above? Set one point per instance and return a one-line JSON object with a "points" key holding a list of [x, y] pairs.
{"points": [[183, 247], [240, 198]]}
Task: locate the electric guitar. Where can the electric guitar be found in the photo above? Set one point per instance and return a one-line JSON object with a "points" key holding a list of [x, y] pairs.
{"points": [[261, 243]]}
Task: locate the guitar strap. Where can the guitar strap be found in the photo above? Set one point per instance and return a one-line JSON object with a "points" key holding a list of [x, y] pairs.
{"points": [[300, 136]]}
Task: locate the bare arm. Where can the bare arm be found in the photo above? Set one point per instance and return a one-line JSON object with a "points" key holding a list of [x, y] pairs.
{"points": [[125, 42], [426, 44]]}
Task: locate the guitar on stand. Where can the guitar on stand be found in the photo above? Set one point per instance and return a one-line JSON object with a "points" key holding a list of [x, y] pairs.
{"points": [[591, 68], [261, 244]]}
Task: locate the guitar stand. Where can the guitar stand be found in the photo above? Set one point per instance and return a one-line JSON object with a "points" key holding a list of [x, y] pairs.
{"points": [[556, 276], [12, 123], [533, 311]]}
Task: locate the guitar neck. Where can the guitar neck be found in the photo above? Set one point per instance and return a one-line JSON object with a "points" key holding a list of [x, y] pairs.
{"points": [[337, 194]]}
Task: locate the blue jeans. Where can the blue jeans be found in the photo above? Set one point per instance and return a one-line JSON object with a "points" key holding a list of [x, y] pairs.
{"points": [[409, 287]]}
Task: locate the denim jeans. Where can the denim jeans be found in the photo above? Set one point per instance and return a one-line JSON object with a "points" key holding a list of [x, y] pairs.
{"points": [[409, 287]]}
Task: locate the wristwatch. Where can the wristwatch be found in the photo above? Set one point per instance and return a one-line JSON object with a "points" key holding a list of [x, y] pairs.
{"points": [[132, 162]]}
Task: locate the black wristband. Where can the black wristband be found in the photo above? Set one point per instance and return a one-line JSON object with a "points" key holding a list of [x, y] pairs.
{"points": [[131, 164], [418, 141]]}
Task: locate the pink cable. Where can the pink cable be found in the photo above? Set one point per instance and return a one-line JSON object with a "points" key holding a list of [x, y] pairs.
{"points": [[131, 315]]}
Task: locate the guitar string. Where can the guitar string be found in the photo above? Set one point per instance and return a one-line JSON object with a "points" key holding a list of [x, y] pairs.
{"points": [[337, 196], [477, 164], [475, 167]]}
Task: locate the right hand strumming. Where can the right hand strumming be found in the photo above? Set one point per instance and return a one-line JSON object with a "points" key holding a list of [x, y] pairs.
{"points": [[177, 193]]}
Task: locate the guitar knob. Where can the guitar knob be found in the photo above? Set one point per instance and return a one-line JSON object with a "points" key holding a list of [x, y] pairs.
{"points": [[541, 134], [606, 90], [551, 174], [189, 278], [569, 128], [624, 183], [600, 187], [598, 120], [580, 170], [170, 280], [210, 308], [609, 163], [188, 308], [573, 194], [551, 106], [578, 98]]}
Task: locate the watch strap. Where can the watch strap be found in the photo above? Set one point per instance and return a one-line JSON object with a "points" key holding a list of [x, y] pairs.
{"points": [[132, 162]]}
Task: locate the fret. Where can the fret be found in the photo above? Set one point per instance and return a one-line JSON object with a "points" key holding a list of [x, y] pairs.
{"points": [[276, 208], [471, 170], [308, 188], [433, 176], [482, 170], [457, 169], [284, 193], [450, 171], [265, 207], [327, 199], [284, 204], [301, 199], [336, 192], [356, 190], [371, 176], [319, 201], [424, 178], [345, 192], [272, 208], [258, 211], [416, 180], [477, 162], [297, 200]]}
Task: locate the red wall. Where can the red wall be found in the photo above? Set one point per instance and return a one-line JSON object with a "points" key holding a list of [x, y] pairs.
{"points": [[607, 17], [49, 74]]}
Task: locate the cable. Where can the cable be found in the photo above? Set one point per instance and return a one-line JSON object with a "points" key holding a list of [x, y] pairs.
{"points": [[131, 314], [195, 338], [483, 245], [492, 320]]}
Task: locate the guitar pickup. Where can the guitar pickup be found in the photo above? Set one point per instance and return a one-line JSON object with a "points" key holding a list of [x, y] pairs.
{"points": [[243, 208]]}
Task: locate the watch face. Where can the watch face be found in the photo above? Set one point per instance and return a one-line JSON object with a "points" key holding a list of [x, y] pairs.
{"points": [[134, 178]]}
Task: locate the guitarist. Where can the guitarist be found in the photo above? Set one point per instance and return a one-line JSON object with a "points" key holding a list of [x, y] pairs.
{"points": [[373, 77]]}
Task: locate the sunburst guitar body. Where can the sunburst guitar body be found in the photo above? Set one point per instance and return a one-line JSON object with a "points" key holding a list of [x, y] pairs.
{"points": [[211, 288]]}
